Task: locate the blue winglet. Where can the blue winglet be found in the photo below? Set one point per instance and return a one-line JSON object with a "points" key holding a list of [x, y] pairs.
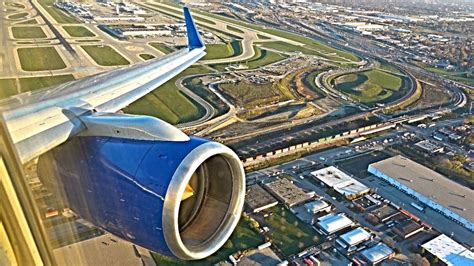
{"points": [[194, 39]]}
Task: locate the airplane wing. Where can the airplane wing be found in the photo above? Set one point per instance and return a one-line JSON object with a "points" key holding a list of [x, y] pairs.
{"points": [[42, 120], [135, 176]]}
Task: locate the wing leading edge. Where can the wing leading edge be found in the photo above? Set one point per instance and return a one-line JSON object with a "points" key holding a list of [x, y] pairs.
{"points": [[43, 120]]}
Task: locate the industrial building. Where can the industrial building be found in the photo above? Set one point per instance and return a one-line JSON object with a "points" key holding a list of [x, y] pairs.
{"points": [[429, 187], [449, 251], [332, 223], [385, 213], [317, 206], [284, 190], [341, 182], [377, 254], [407, 228], [350, 240], [430, 147], [257, 199]]}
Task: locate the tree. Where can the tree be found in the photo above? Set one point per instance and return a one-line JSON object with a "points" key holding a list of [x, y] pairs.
{"points": [[418, 260]]}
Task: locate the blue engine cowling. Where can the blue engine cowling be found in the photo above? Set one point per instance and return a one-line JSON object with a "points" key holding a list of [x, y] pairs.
{"points": [[136, 190]]}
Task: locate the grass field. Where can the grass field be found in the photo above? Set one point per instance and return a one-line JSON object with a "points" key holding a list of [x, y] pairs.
{"points": [[29, 21], [196, 85], [389, 68], [370, 87], [146, 56], [36, 83], [18, 16], [288, 233], [57, 13], [168, 103], [241, 239], [161, 47], [105, 55], [78, 31], [7, 88], [261, 58], [12, 4], [250, 95], [40, 58], [216, 51], [462, 77], [263, 37], [309, 81], [234, 29], [288, 35], [31, 32]]}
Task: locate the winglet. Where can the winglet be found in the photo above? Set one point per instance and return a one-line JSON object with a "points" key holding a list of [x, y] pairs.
{"points": [[194, 39]]}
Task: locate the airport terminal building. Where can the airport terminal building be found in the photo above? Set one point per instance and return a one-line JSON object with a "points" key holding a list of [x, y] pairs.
{"points": [[428, 187]]}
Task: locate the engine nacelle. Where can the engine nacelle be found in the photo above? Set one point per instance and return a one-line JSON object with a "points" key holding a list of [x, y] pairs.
{"points": [[178, 198]]}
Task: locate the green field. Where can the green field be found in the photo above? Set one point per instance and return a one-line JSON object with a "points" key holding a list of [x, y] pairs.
{"points": [[168, 103], [57, 13], [32, 32], [462, 77], [288, 233], [261, 58], [242, 238], [323, 48], [161, 47], [370, 87], [7, 88], [78, 31], [196, 85], [234, 29], [308, 81], [250, 95], [29, 21], [146, 56], [36, 83], [12, 4], [216, 51], [389, 68], [263, 37], [18, 16], [40, 58], [105, 55]]}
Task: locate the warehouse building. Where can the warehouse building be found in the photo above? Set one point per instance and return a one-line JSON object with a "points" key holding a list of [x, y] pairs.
{"points": [[352, 239], [341, 182], [284, 190], [332, 223], [257, 199], [429, 187], [317, 206], [407, 228], [449, 251], [377, 254]]}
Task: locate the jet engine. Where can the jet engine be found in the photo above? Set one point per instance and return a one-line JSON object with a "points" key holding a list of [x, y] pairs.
{"points": [[180, 197]]}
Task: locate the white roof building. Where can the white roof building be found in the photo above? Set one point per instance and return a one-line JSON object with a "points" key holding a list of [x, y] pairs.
{"points": [[451, 199], [377, 253], [316, 206], [353, 238], [340, 181], [332, 223], [449, 251]]}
